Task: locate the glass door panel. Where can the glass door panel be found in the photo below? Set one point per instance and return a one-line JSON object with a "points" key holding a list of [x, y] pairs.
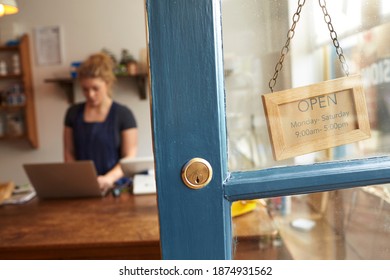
{"points": [[343, 224], [254, 33]]}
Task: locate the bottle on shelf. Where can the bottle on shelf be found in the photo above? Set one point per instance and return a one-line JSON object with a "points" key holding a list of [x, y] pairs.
{"points": [[16, 64], [19, 95]]}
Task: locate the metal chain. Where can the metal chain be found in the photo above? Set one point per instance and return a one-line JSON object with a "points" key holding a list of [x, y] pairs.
{"points": [[285, 49], [291, 33], [333, 36]]}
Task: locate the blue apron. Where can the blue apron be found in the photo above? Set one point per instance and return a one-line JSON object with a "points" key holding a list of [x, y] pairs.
{"points": [[97, 141]]}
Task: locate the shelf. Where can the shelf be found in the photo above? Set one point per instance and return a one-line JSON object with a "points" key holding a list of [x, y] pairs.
{"points": [[13, 137], [26, 110], [11, 76], [10, 108], [14, 48], [67, 84]]}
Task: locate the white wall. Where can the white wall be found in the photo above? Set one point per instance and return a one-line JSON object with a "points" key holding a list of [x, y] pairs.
{"points": [[87, 26]]}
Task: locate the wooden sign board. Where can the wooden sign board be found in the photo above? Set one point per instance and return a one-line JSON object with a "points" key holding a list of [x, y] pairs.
{"points": [[316, 117]]}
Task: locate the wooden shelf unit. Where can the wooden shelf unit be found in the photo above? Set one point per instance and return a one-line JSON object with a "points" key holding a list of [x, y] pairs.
{"points": [[27, 110]]}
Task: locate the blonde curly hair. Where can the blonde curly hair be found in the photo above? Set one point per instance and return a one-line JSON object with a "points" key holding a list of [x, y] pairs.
{"points": [[99, 65]]}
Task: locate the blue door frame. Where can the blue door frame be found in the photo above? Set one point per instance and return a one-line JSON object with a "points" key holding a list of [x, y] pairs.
{"points": [[188, 120]]}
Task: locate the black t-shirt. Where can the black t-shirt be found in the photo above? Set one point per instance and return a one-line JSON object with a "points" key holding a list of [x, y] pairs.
{"points": [[99, 141]]}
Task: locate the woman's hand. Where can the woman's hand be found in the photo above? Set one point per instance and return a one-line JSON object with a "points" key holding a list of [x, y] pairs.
{"points": [[105, 182]]}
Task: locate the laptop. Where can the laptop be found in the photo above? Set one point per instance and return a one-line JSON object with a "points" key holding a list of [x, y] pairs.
{"points": [[136, 165], [64, 180], [141, 169]]}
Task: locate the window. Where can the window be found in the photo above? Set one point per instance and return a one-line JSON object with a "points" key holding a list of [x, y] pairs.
{"points": [[254, 33]]}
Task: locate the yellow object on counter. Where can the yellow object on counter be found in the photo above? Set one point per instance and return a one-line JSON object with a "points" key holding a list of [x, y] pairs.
{"points": [[242, 207], [6, 190]]}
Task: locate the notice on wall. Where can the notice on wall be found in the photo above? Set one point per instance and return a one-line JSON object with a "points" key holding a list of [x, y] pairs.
{"points": [[316, 117], [48, 45]]}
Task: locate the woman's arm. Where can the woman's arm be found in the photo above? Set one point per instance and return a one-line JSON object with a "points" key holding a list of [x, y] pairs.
{"points": [[128, 150], [68, 145], [129, 143]]}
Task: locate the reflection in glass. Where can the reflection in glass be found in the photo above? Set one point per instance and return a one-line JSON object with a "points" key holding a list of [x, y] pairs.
{"points": [[348, 224], [345, 224]]}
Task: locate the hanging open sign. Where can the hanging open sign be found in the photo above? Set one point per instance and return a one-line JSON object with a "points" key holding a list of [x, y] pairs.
{"points": [[316, 117]]}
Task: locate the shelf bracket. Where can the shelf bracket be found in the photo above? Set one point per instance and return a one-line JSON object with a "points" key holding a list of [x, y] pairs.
{"points": [[141, 85], [67, 85]]}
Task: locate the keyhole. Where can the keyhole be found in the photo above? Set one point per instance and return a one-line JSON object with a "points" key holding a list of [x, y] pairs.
{"points": [[197, 178]]}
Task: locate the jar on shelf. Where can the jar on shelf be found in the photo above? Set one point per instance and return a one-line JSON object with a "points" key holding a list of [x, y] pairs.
{"points": [[15, 95], [74, 66], [132, 67], [3, 97], [14, 124], [3, 68]]}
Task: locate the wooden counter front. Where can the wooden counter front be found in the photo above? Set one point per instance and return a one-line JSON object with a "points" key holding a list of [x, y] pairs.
{"points": [[98, 228], [109, 228]]}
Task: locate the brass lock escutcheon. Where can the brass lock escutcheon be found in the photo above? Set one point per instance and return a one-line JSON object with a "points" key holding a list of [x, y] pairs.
{"points": [[197, 173]]}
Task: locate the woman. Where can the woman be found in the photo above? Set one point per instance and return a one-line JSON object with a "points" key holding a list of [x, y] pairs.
{"points": [[100, 129]]}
